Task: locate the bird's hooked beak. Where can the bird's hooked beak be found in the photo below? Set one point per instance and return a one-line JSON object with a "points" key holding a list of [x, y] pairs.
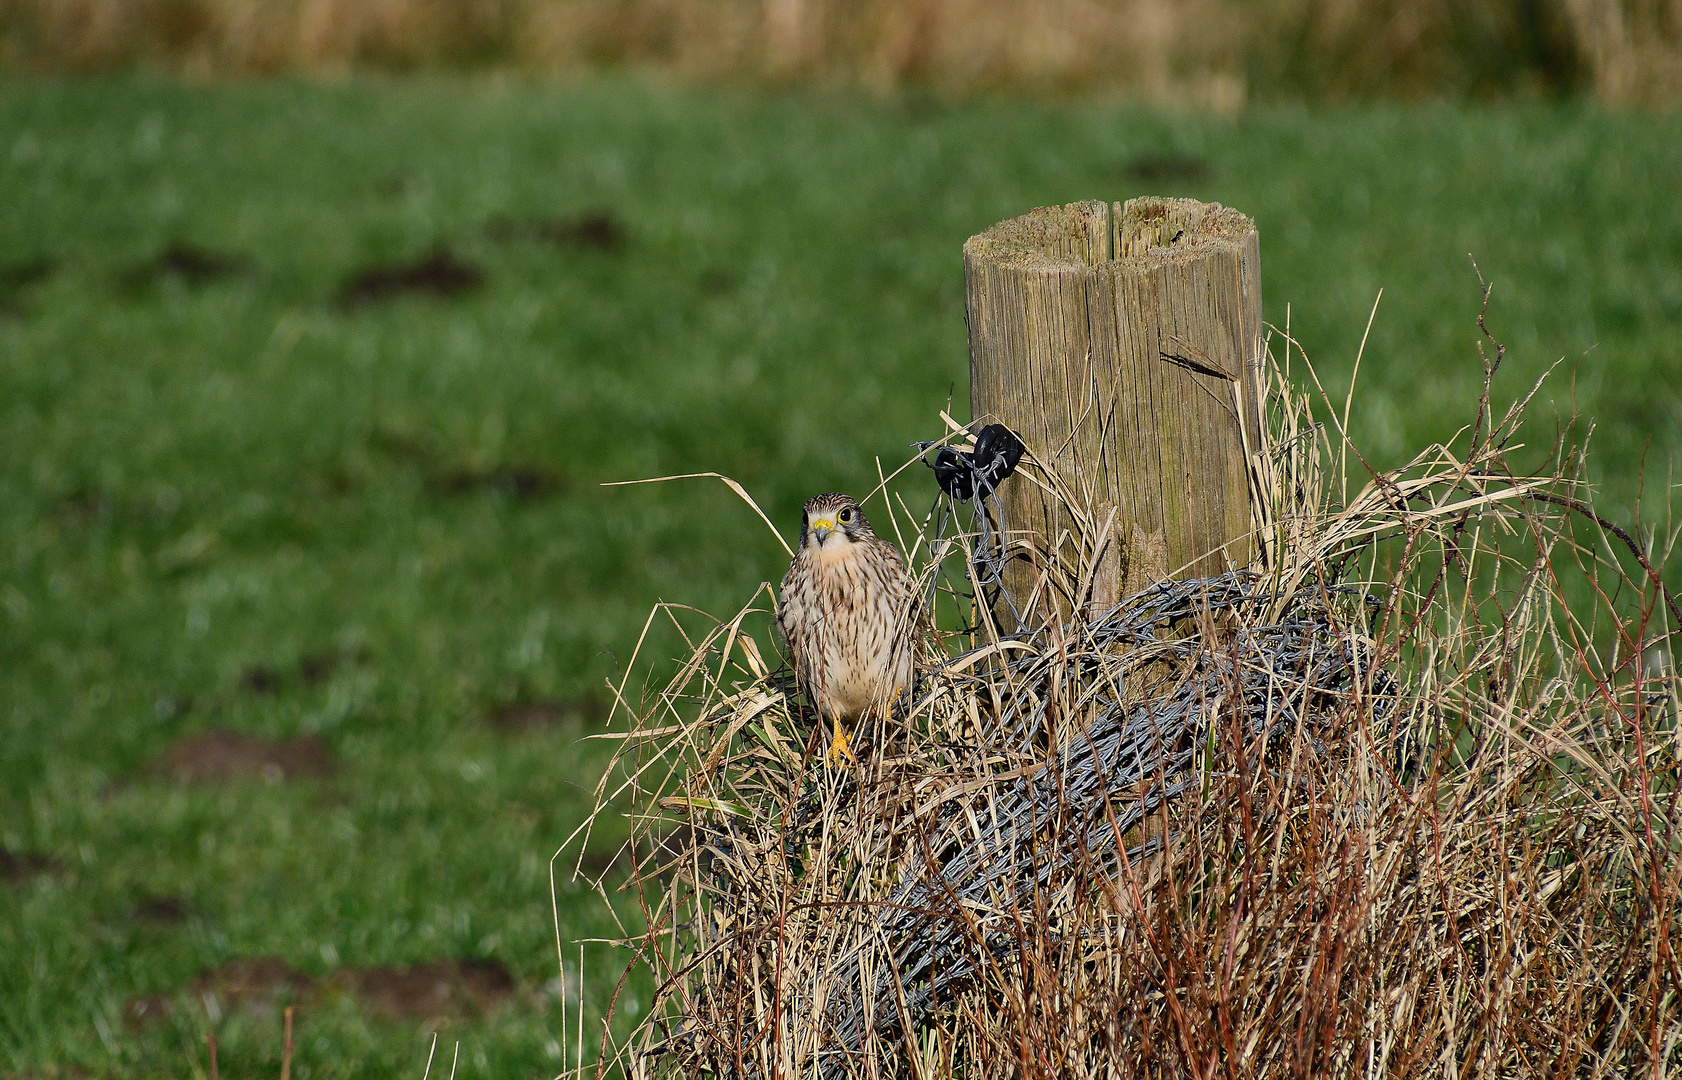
{"points": [[823, 528]]}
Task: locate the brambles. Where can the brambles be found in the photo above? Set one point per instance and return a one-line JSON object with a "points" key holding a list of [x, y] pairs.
{"points": [[1382, 805]]}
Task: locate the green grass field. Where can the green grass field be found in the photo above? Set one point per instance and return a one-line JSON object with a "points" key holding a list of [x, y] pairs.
{"points": [[239, 493]]}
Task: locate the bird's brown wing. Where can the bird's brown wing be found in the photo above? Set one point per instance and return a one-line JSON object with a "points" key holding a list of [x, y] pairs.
{"points": [[896, 579], [789, 631]]}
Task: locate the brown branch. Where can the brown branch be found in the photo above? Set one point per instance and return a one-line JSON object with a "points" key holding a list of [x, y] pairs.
{"points": [[1629, 541]]}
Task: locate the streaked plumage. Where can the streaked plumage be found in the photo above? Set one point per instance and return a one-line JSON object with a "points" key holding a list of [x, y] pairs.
{"points": [[847, 613]]}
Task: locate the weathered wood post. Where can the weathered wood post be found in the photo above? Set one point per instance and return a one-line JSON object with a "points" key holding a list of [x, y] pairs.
{"points": [[1122, 343]]}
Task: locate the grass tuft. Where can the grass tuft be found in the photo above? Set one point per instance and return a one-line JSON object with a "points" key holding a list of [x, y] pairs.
{"points": [[1399, 800]]}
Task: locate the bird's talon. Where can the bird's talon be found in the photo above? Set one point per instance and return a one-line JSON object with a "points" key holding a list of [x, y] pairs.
{"points": [[839, 749]]}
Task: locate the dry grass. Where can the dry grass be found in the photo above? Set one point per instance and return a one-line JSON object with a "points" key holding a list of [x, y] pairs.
{"points": [[1382, 805], [1200, 52], [1632, 49]]}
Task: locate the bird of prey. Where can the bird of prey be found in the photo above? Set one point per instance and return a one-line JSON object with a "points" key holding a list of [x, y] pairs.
{"points": [[847, 614]]}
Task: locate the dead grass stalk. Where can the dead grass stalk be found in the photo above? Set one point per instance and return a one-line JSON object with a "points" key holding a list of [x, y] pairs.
{"points": [[1401, 800]]}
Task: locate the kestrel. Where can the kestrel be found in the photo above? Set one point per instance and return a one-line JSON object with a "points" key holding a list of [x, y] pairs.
{"points": [[847, 614]]}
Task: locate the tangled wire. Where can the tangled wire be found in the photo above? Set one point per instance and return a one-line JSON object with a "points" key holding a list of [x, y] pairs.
{"points": [[1081, 741], [976, 474], [1260, 823], [1130, 758]]}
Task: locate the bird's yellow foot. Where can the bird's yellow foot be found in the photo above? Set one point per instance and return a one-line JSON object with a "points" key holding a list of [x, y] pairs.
{"points": [[839, 749]]}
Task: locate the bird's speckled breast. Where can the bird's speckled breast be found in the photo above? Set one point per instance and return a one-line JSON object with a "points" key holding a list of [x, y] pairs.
{"points": [[844, 611]]}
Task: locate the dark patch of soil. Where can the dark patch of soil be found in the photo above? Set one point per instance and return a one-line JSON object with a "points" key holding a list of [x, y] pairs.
{"points": [[170, 706], [519, 482], [19, 276], [16, 868], [148, 1009], [195, 264], [717, 282], [168, 910], [440, 274], [216, 756], [253, 982], [261, 984], [313, 669], [1165, 168], [439, 990], [338, 480], [259, 679], [318, 667], [518, 717], [187, 264], [442, 989], [597, 230], [402, 445], [82, 508]]}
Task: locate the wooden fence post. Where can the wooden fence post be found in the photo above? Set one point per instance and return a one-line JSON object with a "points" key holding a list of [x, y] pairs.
{"points": [[1122, 343]]}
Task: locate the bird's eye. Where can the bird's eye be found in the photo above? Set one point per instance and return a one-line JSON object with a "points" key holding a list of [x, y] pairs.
{"points": [[846, 516]]}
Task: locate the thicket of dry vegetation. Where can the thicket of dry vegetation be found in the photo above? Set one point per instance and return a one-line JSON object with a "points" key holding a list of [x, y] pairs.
{"points": [[1209, 52], [1400, 801]]}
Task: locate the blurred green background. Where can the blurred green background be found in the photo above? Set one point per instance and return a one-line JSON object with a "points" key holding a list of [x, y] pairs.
{"points": [[307, 388]]}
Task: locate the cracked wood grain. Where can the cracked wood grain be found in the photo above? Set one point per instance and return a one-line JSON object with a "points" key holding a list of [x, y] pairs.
{"points": [[1122, 343]]}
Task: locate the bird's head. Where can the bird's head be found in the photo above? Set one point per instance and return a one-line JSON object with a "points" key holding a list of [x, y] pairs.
{"points": [[831, 522]]}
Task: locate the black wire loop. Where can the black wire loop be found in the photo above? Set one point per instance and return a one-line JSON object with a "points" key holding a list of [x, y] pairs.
{"points": [[975, 474], [962, 473]]}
